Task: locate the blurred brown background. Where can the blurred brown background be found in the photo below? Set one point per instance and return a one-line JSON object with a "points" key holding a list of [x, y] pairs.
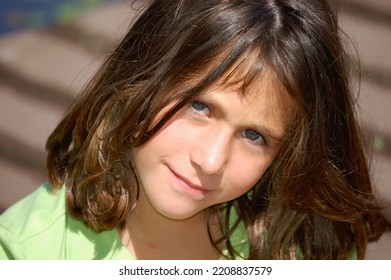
{"points": [[43, 68]]}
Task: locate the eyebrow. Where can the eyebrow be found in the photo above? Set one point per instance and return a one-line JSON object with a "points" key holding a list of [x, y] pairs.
{"points": [[269, 133], [266, 131]]}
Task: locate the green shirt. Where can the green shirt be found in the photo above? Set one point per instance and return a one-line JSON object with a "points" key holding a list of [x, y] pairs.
{"points": [[39, 227]]}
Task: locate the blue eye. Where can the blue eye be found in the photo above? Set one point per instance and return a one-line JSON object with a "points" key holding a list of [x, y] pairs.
{"points": [[253, 136], [200, 107]]}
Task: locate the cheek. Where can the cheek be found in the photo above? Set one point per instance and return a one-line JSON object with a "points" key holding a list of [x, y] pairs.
{"points": [[244, 177], [165, 139]]}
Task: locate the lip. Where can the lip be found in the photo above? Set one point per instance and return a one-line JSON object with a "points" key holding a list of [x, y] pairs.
{"points": [[189, 186]]}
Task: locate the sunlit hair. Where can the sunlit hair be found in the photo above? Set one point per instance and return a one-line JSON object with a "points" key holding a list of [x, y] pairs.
{"points": [[315, 201]]}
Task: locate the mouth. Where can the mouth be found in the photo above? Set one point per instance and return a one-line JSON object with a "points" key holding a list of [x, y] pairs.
{"points": [[189, 186]]}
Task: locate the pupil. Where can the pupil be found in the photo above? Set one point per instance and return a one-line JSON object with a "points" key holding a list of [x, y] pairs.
{"points": [[198, 106], [252, 135]]}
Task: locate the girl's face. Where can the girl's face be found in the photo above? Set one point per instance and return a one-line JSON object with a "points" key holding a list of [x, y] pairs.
{"points": [[213, 150]]}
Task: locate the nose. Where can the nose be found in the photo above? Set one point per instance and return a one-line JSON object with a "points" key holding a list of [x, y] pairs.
{"points": [[211, 151]]}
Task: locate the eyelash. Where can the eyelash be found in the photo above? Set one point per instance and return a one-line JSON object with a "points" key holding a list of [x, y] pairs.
{"points": [[197, 107]]}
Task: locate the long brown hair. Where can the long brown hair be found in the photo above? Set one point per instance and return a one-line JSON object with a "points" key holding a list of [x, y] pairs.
{"points": [[314, 201]]}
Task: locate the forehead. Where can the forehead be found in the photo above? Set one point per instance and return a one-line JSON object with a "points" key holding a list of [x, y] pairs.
{"points": [[245, 72], [252, 77]]}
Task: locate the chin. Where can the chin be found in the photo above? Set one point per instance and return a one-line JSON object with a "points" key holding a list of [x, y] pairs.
{"points": [[179, 214]]}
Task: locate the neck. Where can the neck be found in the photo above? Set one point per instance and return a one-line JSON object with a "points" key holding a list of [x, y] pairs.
{"points": [[149, 235]]}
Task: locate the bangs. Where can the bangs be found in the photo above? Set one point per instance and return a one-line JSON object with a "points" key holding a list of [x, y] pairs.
{"points": [[242, 73], [249, 73]]}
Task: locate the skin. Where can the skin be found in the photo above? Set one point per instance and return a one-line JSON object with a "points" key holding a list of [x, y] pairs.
{"points": [[214, 150]]}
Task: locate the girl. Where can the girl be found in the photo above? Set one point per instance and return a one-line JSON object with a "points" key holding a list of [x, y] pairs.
{"points": [[216, 129]]}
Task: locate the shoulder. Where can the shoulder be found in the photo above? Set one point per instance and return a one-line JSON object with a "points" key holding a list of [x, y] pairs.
{"points": [[32, 223], [39, 227], [34, 212]]}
